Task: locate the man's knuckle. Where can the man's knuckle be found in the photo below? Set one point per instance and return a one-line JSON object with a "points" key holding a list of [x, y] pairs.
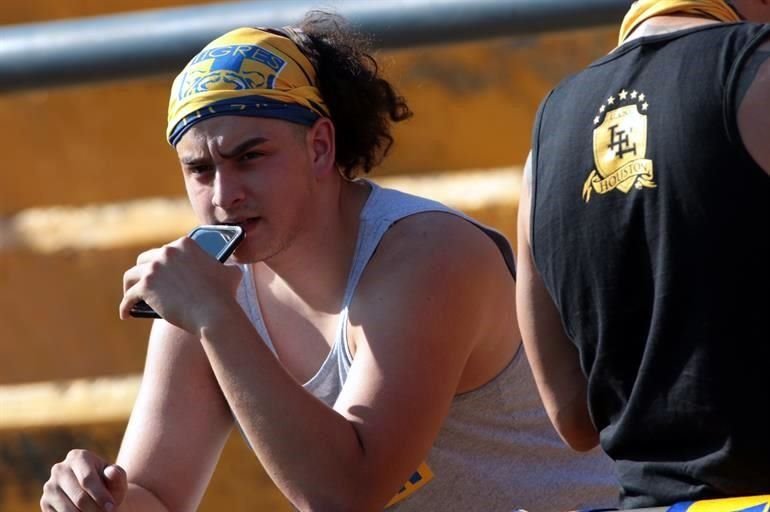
{"points": [[81, 499], [153, 267], [91, 480], [76, 454], [57, 469]]}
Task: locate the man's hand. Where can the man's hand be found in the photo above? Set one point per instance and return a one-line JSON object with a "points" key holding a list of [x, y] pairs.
{"points": [[184, 284], [84, 482]]}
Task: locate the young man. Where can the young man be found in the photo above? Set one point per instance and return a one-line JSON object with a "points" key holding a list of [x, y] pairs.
{"points": [[643, 266], [365, 344]]}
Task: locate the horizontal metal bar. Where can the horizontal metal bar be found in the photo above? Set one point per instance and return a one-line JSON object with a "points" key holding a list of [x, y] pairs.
{"points": [[159, 41]]}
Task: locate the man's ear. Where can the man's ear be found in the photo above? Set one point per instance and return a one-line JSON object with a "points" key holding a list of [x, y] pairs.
{"points": [[320, 143]]}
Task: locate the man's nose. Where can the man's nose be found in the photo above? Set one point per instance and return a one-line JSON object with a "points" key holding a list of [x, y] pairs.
{"points": [[228, 190]]}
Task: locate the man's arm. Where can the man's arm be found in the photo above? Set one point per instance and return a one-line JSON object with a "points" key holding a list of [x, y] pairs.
{"points": [[753, 113], [553, 357], [139, 499], [178, 426], [174, 437], [421, 309]]}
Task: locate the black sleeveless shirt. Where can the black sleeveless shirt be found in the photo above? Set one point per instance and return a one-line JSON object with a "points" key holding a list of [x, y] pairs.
{"points": [[650, 228]]}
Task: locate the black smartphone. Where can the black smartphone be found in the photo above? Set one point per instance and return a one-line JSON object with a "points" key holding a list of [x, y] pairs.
{"points": [[219, 241]]}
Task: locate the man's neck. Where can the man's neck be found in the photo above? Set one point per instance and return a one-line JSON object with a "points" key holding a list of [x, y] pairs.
{"points": [[315, 268], [669, 23]]}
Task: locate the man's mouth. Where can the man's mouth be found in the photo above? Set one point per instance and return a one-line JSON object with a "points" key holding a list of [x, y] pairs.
{"points": [[245, 223]]}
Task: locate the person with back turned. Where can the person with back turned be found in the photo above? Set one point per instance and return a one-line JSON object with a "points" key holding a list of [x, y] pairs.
{"points": [[644, 254]]}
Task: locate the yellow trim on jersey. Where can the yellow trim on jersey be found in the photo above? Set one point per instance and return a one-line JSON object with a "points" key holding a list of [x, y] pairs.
{"points": [[417, 481], [746, 504]]}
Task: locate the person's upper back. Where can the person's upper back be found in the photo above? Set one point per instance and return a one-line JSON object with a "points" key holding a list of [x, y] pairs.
{"points": [[650, 227]]}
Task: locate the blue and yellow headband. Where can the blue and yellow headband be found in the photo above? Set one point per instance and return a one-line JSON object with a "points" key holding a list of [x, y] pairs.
{"points": [[247, 72]]}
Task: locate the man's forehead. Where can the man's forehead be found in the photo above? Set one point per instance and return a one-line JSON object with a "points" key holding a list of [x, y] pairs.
{"points": [[227, 133]]}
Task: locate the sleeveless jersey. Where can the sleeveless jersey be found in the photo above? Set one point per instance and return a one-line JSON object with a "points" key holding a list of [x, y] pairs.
{"points": [[650, 227]]}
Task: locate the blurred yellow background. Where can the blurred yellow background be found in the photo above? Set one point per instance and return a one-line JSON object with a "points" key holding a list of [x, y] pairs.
{"points": [[88, 182]]}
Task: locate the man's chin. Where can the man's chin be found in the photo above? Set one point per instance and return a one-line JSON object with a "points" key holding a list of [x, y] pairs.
{"points": [[244, 256], [243, 259]]}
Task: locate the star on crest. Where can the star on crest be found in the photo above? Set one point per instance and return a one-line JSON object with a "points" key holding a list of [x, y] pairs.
{"points": [[623, 96]]}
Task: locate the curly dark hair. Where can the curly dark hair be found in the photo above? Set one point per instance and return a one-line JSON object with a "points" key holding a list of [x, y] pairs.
{"points": [[361, 103]]}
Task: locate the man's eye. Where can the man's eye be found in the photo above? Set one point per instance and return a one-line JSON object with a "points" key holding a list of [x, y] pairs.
{"points": [[251, 155], [200, 169]]}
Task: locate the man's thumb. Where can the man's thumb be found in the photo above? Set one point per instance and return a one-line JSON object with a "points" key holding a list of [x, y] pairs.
{"points": [[117, 483]]}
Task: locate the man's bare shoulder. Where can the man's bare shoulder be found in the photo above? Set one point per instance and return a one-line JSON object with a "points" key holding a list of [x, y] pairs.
{"points": [[440, 282], [753, 113], [438, 237], [439, 250]]}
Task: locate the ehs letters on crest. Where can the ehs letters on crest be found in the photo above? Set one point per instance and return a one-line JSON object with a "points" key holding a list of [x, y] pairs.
{"points": [[620, 146]]}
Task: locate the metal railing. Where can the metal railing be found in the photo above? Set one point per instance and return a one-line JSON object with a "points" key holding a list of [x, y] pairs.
{"points": [[160, 41]]}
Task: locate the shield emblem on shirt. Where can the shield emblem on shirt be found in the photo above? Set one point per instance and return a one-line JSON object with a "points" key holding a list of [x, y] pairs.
{"points": [[620, 149]]}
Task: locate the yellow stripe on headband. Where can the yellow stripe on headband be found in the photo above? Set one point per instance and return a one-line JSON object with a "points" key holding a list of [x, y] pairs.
{"points": [[645, 9], [247, 71]]}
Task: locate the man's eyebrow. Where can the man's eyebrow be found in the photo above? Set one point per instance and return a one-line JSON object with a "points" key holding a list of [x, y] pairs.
{"points": [[243, 146], [192, 161]]}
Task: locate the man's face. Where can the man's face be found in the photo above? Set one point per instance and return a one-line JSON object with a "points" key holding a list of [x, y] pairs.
{"points": [[250, 171]]}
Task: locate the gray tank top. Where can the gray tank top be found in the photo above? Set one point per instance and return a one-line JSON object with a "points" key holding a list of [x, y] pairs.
{"points": [[496, 450]]}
